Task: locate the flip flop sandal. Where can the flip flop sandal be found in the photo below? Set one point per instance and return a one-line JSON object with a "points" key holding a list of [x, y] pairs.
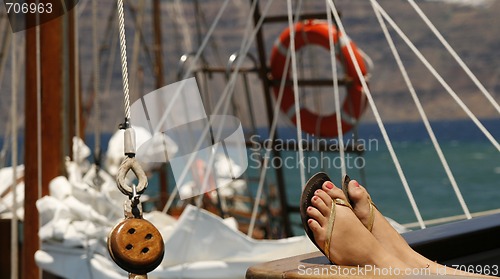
{"points": [[345, 182], [313, 184]]}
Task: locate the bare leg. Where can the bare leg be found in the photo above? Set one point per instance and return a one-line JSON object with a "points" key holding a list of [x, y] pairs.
{"points": [[382, 230]]}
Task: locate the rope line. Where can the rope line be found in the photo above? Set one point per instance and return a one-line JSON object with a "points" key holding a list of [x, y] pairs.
{"points": [[182, 23], [134, 83], [192, 65], [14, 221], [336, 92], [123, 54], [379, 120], [455, 55], [76, 88], [111, 63], [272, 132], [225, 98], [438, 77], [178, 92], [97, 74], [296, 92], [228, 93], [7, 42], [423, 116], [225, 93], [39, 124]]}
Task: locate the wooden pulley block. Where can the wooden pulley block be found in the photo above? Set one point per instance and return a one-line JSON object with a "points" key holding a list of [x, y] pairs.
{"points": [[136, 245]]}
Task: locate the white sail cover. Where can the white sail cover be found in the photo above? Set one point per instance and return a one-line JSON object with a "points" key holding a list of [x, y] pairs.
{"points": [[76, 219]]}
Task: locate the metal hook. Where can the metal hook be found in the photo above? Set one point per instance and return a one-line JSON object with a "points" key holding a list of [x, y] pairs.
{"points": [[233, 57], [134, 191], [184, 59]]}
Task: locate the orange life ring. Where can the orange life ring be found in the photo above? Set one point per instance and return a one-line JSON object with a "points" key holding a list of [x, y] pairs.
{"points": [[316, 32]]}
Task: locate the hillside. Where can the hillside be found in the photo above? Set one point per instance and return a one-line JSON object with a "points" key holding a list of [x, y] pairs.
{"points": [[471, 30]]}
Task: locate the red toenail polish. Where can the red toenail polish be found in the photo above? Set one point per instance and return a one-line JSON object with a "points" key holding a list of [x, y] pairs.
{"points": [[315, 198], [356, 184], [309, 221], [328, 185]]}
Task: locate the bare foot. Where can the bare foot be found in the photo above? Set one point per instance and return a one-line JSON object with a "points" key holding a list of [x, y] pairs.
{"points": [[382, 230], [351, 244]]}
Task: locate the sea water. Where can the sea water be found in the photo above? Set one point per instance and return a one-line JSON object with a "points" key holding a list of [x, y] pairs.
{"points": [[473, 160], [474, 163]]}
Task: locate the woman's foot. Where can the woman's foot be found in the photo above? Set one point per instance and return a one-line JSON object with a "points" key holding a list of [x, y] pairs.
{"points": [[350, 243], [380, 227], [382, 230]]}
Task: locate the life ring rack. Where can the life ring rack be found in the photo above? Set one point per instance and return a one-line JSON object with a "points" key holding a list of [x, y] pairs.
{"points": [[315, 32]]}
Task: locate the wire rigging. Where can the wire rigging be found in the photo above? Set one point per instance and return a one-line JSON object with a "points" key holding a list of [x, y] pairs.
{"points": [[272, 132], [96, 86], [296, 92], [438, 76], [14, 220], [336, 92], [379, 121], [423, 115], [455, 56]]}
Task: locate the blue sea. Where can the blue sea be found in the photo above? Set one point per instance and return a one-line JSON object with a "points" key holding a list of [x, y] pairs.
{"points": [[474, 161]]}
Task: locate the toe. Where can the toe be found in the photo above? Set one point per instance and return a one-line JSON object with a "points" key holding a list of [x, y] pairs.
{"points": [[317, 230], [357, 193], [333, 191], [361, 203], [322, 202], [316, 215]]}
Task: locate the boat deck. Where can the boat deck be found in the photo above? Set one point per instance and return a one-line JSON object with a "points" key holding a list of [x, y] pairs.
{"points": [[316, 266], [467, 243]]}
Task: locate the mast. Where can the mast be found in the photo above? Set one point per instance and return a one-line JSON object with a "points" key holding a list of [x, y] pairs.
{"points": [[158, 70], [44, 78], [76, 121]]}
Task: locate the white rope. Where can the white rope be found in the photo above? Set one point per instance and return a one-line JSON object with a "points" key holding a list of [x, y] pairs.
{"points": [[136, 46], [182, 24], [336, 92], [455, 55], [230, 87], [438, 77], [178, 92], [379, 120], [39, 126], [123, 54], [272, 132], [5, 48], [6, 144], [225, 98], [111, 63], [76, 58], [14, 221], [229, 91], [296, 92], [225, 93], [423, 115], [192, 65], [97, 74]]}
